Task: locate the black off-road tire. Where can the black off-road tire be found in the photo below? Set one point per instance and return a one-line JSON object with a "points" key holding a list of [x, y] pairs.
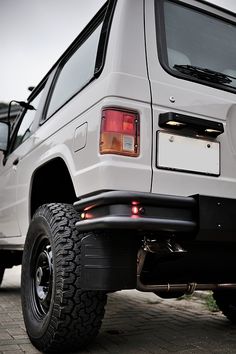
{"points": [[226, 301], [2, 270], [58, 315]]}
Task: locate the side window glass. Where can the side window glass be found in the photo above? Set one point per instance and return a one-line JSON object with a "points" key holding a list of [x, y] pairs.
{"points": [[24, 130], [76, 72]]}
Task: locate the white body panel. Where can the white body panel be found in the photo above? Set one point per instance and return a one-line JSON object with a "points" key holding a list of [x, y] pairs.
{"points": [[122, 83], [197, 100]]}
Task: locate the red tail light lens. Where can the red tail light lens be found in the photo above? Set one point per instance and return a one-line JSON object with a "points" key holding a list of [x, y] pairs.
{"points": [[119, 133]]}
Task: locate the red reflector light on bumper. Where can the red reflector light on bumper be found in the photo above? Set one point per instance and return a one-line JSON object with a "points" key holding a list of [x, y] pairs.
{"points": [[135, 210]]}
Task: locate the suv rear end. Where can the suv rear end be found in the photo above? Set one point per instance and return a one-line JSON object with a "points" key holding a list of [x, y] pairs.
{"points": [[190, 55], [148, 148], [187, 216]]}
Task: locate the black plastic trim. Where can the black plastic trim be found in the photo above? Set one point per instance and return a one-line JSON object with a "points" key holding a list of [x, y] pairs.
{"points": [[217, 218], [197, 125], [118, 197], [127, 223], [112, 210], [197, 217], [104, 37]]}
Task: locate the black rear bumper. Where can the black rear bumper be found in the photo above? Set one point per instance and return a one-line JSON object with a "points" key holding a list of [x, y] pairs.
{"points": [[204, 226], [205, 217], [137, 211]]}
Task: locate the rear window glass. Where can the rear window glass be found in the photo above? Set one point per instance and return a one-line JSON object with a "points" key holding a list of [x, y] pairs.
{"points": [[197, 42]]}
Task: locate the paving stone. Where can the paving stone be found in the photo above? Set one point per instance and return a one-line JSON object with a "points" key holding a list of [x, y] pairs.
{"points": [[135, 323], [8, 347], [4, 335]]}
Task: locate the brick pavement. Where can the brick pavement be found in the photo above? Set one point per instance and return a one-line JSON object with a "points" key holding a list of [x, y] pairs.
{"points": [[135, 323]]}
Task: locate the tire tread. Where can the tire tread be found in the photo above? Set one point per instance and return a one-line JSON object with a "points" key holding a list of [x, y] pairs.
{"points": [[76, 315]]}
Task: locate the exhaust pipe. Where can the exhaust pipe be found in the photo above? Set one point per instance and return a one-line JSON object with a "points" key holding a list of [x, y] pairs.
{"points": [[164, 247], [188, 288]]}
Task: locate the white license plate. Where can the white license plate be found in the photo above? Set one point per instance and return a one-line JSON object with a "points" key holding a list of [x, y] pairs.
{"points": [[188, 154]]}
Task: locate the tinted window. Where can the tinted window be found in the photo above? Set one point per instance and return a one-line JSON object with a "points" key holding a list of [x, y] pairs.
{"points": [[24, 130], [198, 39], [76, 72]]}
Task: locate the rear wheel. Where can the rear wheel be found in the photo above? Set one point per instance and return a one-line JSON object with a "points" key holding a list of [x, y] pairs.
{"points": [[2, 270], [59, 316], [226, 301]]}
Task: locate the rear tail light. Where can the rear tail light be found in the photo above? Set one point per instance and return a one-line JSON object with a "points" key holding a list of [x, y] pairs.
{"points": [[119, 132]]}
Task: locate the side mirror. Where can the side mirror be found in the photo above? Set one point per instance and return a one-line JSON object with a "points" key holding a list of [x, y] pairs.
{"points": [[4, 135]]}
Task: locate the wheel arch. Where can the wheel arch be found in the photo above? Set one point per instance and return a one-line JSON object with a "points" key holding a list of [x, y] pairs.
{"points": [[51, 182]]}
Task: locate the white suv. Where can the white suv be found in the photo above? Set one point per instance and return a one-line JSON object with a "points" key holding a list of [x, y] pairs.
{"points": [[120, 172]]}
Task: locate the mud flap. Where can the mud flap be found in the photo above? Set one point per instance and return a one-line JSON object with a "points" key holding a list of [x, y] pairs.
{"points": [[109, 262]]}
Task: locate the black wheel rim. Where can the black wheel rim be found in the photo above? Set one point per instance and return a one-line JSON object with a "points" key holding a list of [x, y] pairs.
{"points": [[42, 276]]}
